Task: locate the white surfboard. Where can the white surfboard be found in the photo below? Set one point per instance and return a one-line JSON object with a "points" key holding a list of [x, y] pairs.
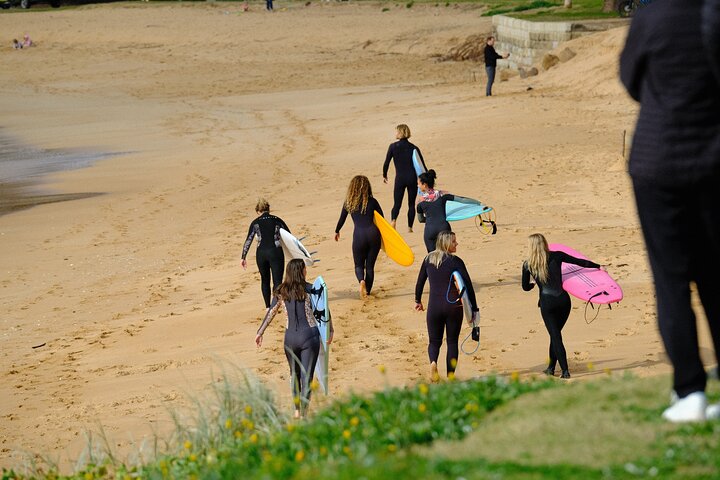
{"points": [[464, 297], [293, 248], [319, 301]]}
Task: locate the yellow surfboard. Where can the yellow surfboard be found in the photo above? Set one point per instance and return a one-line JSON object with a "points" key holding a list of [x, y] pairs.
{"points": [[393, 244]]}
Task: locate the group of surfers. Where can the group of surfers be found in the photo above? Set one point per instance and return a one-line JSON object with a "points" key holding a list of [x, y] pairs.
{"points": [[292, 293]]}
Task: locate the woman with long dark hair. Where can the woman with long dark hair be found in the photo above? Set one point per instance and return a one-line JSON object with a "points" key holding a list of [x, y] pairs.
{"points": [[360, 204], [442, 315], [302, 338], [269, 254], [545, 267], [431, 208]]}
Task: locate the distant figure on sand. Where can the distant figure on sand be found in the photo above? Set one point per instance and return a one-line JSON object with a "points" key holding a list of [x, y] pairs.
{"points": [[442, 315], [675, 171], [401, 153], [269, 254], [360, 204], [26, 41], [302, 338], [269, 5], [16, 44], [544, 267], [431, 208], [491, 58]]}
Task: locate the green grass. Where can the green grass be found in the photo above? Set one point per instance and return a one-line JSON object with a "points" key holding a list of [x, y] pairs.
{"points": [[480, 429]]}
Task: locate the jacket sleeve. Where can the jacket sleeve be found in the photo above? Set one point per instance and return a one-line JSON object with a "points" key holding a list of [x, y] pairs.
{"points": [[341, 220], [633, 59], [711, 34], [527, 284], [249, 239], [388, 157], [468, 284], [275, 307], [420, 284]]}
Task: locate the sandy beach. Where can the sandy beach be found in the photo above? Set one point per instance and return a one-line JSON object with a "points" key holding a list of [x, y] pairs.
{"points": [[137, 295]]}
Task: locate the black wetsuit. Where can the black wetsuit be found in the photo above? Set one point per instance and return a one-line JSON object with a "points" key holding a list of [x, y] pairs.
{"points": [[366, 241], [269, 254], [302, 343], [441, 313], [405, 176], [554, 302], [435, 219]]}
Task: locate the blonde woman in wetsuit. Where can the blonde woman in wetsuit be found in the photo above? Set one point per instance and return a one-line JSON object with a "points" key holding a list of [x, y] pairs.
{"points": [[545, 267]]}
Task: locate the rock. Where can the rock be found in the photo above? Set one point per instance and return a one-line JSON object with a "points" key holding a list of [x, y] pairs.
{"points": [[506, 74], [566, 54], [549, 61], [522, 72], [532, 72]]}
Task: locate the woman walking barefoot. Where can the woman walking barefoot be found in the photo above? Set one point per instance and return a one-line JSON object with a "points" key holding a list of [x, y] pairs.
{"points": [[438, 267], [360, 204], [545, 267], [302, 338]]}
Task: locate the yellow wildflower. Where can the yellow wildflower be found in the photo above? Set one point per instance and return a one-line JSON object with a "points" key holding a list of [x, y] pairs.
{"points": [[347, 434], [187, 444], [248, 409], [228, 424], [422, 407], [354, 421], [299, 456], [423, 389]]}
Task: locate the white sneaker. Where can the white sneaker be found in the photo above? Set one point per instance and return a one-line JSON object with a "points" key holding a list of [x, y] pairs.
{"points": [[688, 409], [712, 412]]}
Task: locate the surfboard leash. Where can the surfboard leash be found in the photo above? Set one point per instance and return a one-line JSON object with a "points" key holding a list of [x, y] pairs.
{"points": [[593, 307], [475, 335]]}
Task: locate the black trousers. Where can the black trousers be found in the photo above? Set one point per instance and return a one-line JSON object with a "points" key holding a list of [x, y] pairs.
{"points": [[270, 260], [443, 317], [302, 348], [681, 226], [555, 311], [366, 247], [402, 186]]}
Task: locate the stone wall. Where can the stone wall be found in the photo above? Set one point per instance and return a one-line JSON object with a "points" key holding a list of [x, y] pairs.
{"points": [[527, 41]]}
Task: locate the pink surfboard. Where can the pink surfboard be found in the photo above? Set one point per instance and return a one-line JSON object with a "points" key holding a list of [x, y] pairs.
{"points": [[588, 284]]}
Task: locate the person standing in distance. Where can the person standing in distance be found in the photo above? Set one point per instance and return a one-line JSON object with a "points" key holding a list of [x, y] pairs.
{"points": [[491, 58], [401, 152], [269, 254], [675, 170]]}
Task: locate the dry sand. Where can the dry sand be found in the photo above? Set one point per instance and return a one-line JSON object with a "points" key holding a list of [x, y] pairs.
{"points": [[137, 294]]}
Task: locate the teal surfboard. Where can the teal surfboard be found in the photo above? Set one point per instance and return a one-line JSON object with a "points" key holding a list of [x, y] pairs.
{"points": [[321, 311], [417, 163], [455, 210]]}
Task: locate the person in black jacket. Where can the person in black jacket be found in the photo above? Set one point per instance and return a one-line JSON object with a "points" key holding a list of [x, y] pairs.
{"points": [[269, 254], [545, 267], [675, 171], [401, 153], [361, 206], [444, 314], [711, 34], [491, 58]]}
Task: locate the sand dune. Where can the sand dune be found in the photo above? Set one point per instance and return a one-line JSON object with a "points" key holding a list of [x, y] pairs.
{"points": [[138, 293]]}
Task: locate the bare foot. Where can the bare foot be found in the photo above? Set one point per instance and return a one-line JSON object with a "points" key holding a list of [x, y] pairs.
{"points": [[434, 375], [393, 223], [296, 415], [409, 229], [363, 289]]}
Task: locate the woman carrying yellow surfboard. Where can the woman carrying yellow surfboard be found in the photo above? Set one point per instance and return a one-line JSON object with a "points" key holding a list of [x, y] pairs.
{"points": [[361, 205]]}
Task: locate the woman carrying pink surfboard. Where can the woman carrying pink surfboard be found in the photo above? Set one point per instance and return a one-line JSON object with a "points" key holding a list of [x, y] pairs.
{"points": [[545, 267]]}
